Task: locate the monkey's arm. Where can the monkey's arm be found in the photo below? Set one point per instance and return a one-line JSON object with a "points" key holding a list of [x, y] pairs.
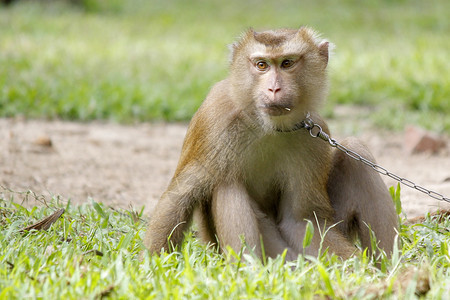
{"points": [[173, 213], [192, 183]]}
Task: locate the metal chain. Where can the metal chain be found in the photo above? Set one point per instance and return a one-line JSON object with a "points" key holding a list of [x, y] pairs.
{"points": [[309, 125]]}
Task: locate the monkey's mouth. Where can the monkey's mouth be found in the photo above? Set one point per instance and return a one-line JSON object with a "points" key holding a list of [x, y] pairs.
{"points": [[275, 110]]}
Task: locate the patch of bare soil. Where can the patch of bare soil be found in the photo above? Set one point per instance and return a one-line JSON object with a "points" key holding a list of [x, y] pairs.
{"points": [[132, 165]]}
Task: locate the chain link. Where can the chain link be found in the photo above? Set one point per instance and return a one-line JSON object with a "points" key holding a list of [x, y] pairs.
{"points": [[315, 130]]}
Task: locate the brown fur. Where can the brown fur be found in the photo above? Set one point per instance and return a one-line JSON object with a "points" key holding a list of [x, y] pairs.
{"points": [[243, 177]]}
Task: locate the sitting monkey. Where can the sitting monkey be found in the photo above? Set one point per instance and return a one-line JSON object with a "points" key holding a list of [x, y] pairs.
{"points": [[245, 171]]}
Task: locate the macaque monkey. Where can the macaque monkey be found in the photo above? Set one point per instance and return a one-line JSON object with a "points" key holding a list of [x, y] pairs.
{"points": [[249, 175]]}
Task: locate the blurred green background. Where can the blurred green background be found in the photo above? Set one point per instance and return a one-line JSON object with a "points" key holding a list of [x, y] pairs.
{"points": [[131, 61]]}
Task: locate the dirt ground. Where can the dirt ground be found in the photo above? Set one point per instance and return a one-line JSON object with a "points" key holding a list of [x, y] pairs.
{"points": [[125, 166]]}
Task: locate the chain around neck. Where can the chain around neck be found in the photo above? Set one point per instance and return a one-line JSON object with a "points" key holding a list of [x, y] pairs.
{"points": [[306, 123]]}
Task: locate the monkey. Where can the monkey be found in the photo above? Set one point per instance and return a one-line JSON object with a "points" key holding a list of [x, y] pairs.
{"points": [[245, 174]]}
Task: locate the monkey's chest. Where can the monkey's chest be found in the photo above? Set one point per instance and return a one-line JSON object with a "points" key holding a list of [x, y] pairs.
{"points": [[276, 166], [270, 176]]}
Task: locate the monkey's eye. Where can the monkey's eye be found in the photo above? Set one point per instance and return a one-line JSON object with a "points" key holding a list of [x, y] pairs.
{"points": [[261, 65], [287, 63]]}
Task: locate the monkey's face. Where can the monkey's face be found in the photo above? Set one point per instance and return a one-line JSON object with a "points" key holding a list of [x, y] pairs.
{"points": [[276, 91], [281, 73]]}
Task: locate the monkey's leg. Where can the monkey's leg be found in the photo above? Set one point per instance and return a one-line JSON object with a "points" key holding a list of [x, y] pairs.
{"points": [[234, 218], [273, 242], [205, 224], [360, 199], [324, 237]]}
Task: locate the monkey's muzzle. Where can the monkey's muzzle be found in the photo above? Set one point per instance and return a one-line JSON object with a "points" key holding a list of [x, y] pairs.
{"points": [[276, 110]]}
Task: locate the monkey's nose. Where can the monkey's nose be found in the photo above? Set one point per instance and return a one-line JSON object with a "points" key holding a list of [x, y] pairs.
{"points": [[274, 90]]}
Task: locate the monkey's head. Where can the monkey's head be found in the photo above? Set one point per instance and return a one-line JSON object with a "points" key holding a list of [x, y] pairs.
{"points": [[280, 74]]}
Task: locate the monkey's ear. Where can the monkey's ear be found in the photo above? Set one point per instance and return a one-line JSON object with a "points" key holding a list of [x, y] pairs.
{"points": [[250, 32], [244, 38], [323, 50], [233, 50]]}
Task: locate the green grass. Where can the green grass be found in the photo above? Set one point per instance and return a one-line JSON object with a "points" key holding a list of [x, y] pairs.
{"points": [[155, 60], [92, 251]]}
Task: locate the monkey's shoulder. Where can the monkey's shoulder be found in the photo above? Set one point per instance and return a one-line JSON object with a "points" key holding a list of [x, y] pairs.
{"points": [[212, 125], [218, 102], [217, 114]]}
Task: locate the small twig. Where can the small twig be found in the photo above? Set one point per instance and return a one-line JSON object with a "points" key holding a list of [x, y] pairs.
{"points": [[94, 251], [45, 223], [106, 292], [10, 265]]}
